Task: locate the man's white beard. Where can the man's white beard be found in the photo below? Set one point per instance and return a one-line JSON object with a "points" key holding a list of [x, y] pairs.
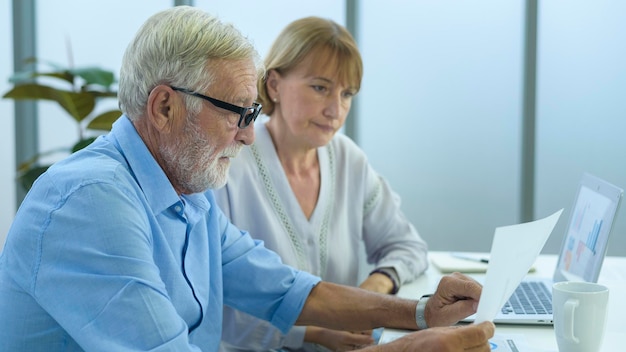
{"points": [[192, 162]]}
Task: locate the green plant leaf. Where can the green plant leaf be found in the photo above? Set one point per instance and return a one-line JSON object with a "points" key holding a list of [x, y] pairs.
{"points": [[28, 178], [94, 75], [64, 75], [83, 143], [30, 163], [104, 121], [101, 94], [78, 105], [29, 76], [87, 85]]}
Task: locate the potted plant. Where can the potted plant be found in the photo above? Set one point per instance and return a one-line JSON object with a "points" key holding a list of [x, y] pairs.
{"points": [[77, 91]]}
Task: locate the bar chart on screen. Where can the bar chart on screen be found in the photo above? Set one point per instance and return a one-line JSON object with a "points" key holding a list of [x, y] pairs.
{"points": [[587, 226]]}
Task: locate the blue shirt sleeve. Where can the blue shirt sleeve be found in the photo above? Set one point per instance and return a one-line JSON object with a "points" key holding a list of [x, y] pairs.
{"points": [[258, 283]]}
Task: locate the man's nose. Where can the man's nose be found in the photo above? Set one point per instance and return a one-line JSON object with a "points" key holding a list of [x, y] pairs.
{"points": [[246, 135]]}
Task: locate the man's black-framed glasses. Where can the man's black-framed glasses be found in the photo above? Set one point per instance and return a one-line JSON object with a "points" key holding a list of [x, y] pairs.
{"points": [[246, 115]]}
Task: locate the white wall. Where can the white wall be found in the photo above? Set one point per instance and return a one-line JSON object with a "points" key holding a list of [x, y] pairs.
{"points": [[440, 113], [581, 105], [261, 21]]}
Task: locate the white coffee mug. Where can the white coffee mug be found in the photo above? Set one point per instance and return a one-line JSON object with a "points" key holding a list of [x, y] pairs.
{"points": [[580, 310]]}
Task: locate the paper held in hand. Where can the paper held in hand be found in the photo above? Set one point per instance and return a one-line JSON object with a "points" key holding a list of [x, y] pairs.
{"points": [[513, 251]]}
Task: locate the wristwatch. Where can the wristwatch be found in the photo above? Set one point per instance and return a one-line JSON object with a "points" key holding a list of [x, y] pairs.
{"points": [[420, 319]]}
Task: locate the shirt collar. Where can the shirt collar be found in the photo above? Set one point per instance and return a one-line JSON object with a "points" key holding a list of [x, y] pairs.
{"points": [[157, 188]]}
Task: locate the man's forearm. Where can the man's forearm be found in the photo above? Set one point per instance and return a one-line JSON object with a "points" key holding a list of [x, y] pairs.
{"points": [[348, 308]]}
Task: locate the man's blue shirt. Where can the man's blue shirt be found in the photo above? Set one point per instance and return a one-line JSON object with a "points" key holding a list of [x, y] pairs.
{"points": [[104, 255]]}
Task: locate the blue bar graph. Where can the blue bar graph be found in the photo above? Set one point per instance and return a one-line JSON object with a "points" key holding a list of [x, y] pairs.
{"points": [[592, 238]]}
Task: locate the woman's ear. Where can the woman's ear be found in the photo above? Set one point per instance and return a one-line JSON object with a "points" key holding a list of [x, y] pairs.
{"points": [[272, 81]]}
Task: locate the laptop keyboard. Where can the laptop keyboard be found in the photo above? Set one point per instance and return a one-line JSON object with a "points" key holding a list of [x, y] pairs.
{"points": [[529, 298]]}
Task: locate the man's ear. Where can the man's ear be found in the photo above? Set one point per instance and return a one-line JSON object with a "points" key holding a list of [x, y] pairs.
{"points": [[161, 107]]}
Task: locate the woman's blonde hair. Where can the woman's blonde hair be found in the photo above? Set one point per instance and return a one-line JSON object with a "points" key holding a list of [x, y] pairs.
{"points": [[318, 36]]}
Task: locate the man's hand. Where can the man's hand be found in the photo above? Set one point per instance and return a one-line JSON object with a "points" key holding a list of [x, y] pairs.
{"points": [[456, 298], [341, 307], [474, 338]]}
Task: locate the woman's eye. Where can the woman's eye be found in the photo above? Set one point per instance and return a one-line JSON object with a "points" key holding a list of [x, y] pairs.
{"points": [[319, 88]]}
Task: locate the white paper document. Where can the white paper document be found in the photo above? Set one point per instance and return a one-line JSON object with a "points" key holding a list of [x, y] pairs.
{"points": [[513, 251], [498, 343]]}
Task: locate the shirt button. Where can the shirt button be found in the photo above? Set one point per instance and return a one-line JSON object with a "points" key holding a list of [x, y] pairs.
{"points": [[177, 208]]}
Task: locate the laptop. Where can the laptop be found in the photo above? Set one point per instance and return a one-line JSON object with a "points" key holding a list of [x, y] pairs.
{"points": [[580, 258]]}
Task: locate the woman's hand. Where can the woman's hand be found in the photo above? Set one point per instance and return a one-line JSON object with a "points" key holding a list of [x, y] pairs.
{"points": [[337, 340]]}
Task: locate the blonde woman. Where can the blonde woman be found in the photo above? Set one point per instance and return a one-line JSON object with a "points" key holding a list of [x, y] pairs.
{"points": [[309, 192]]}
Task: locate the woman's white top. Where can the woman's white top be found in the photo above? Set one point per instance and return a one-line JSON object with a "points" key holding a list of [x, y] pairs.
{"points": [[356, 208]]}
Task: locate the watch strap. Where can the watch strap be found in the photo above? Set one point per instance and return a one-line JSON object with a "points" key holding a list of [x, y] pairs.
{"points": [[420, 318]]}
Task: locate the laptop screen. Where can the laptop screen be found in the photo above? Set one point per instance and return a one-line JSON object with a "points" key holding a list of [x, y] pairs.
{"points": [[585, 242]]}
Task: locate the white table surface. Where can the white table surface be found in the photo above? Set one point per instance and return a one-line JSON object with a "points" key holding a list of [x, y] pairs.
{"points": [[541, 338]]}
